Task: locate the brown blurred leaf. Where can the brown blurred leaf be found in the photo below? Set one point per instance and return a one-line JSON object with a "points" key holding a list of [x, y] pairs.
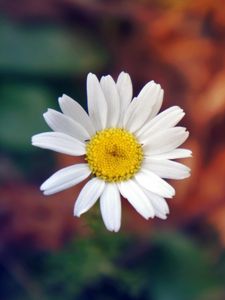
{"points": [[210, 106], [40, 221], [208, 194]]}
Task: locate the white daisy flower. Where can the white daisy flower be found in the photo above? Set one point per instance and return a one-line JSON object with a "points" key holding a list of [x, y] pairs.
{"points": [[128, 148]]}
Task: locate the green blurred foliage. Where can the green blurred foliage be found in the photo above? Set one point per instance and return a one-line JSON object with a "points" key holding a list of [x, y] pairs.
{"points": [[48, 50], [22, 107], [166, 266], [34, 61]]}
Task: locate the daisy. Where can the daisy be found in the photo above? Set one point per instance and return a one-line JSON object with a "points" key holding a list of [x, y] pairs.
{"points": [[128, 148]]}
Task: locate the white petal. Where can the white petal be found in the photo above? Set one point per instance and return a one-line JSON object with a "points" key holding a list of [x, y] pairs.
{"points": [[166, 168], [88, 196], [97, 106], [65, 178], [137, 198], [112, 98], [164, 141], [59, 142], [160, 215], [159, 204], [75, 111], [62, 123], [141, 107], [157, 104], [174, 154], [166, 119], [125, 91], [110, 205], [154, 183]]}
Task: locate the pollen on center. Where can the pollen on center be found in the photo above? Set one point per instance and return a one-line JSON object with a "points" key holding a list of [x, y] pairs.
{"points": [[114, 155]]}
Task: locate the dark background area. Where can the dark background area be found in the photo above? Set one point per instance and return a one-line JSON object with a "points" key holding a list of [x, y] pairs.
{"points": [[47, 47]]}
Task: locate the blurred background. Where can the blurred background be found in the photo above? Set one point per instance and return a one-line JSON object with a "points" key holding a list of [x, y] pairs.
{"points": [[47, 47]]}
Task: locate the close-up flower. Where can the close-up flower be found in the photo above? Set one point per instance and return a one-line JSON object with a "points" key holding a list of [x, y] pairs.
{"points": [[128, 148]]}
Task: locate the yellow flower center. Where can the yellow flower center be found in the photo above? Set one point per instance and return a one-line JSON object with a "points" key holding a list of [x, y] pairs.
{"points": [[114, 155]]}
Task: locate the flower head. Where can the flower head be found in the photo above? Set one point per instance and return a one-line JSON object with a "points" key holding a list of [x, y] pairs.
{"points": [[128, 147]]}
